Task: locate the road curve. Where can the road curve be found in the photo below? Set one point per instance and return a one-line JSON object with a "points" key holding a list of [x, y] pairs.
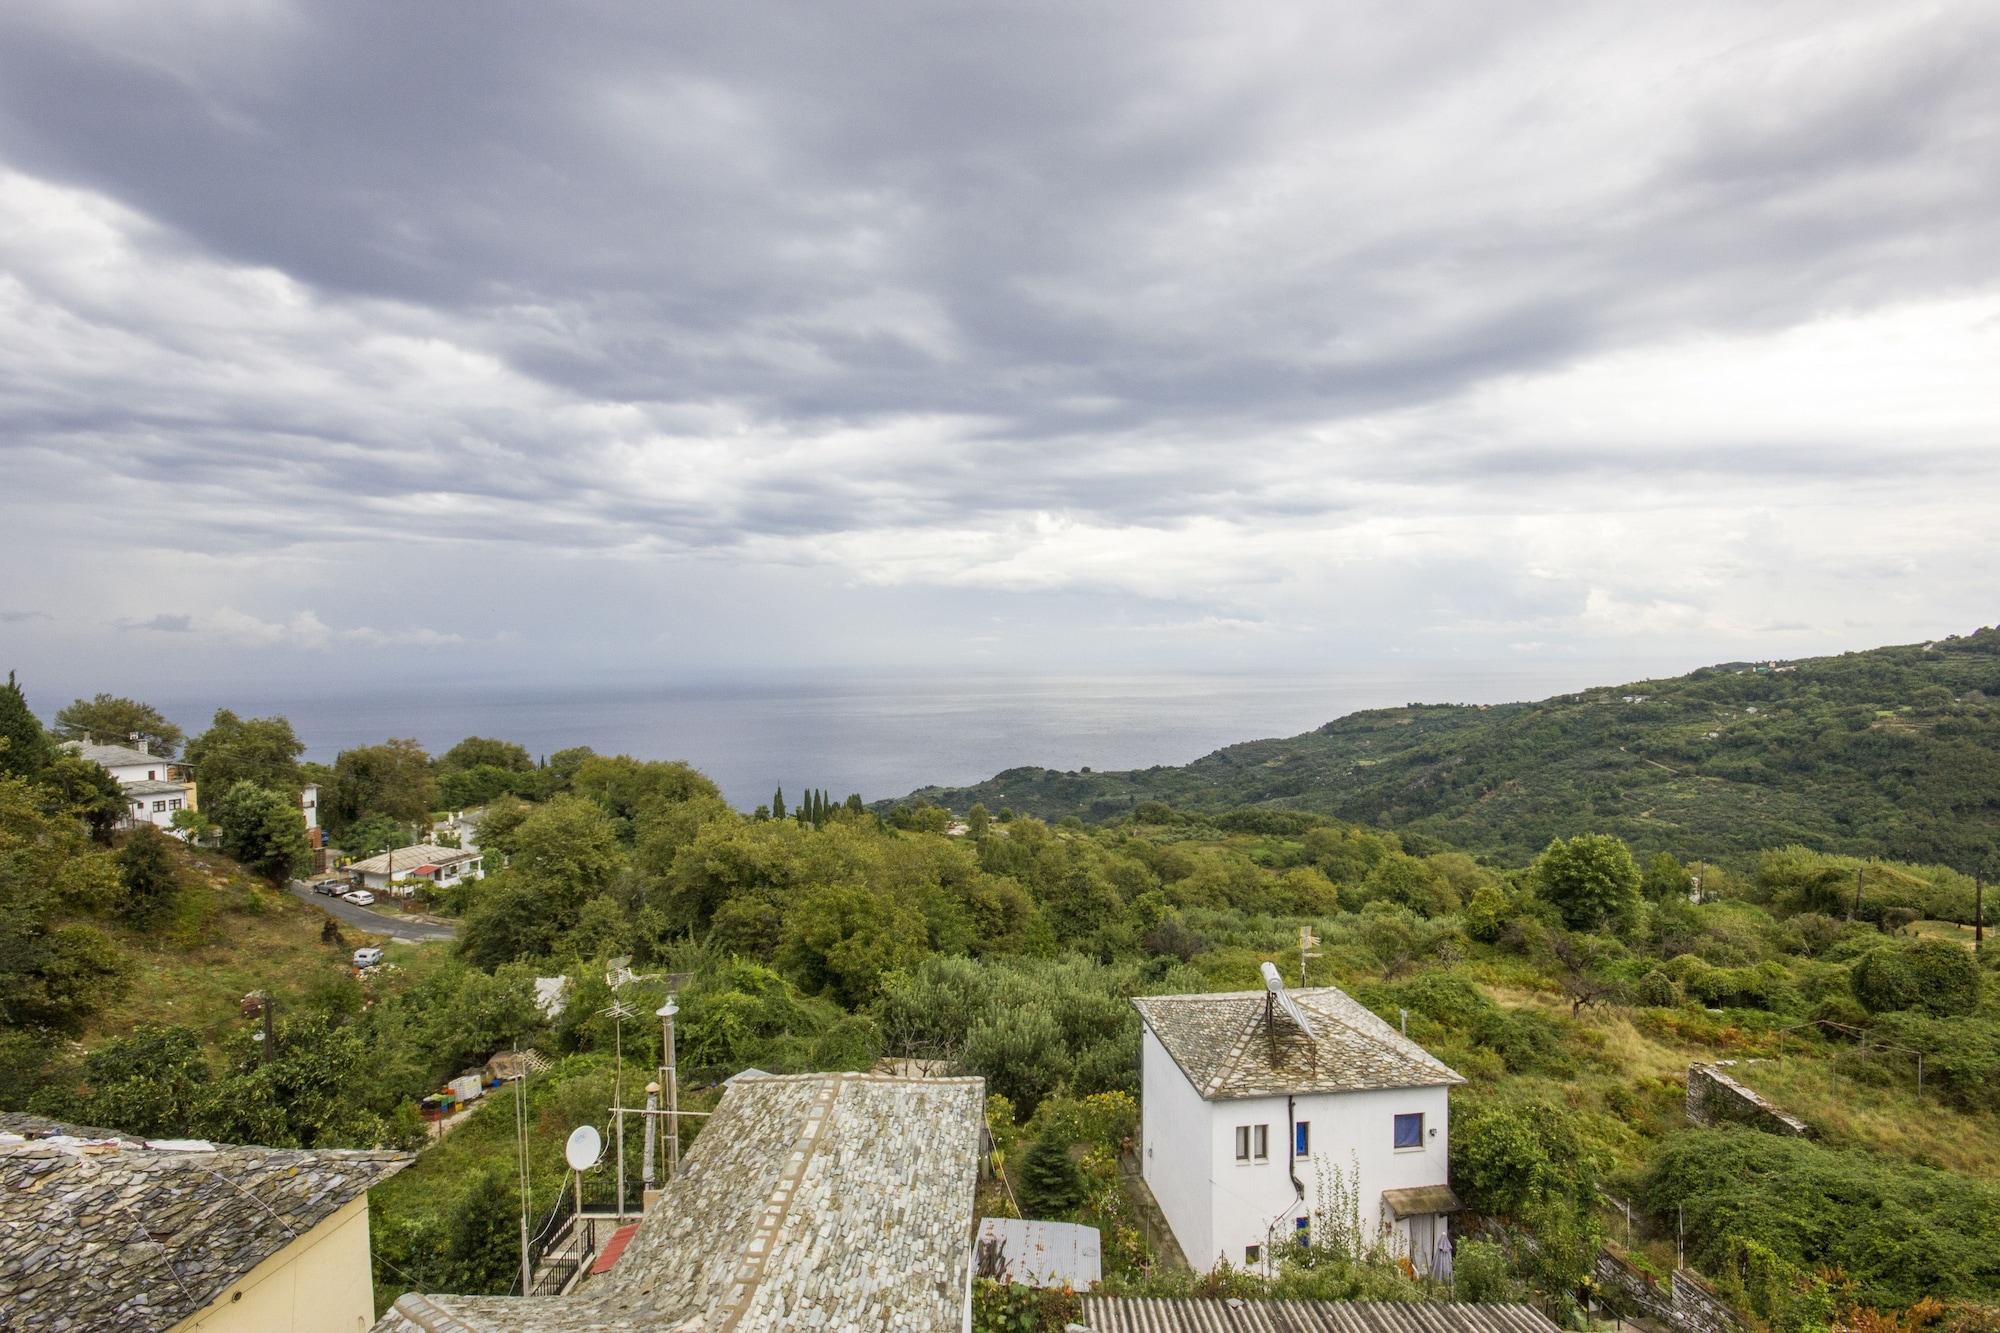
{"points": [[376, 923]]}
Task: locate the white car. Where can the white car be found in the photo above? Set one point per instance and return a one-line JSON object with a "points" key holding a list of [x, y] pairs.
{"points": [[359, 897], [366, 958]]}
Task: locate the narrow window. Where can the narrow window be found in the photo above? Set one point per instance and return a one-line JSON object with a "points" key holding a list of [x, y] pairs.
{"points": [[1410, 1130], [1252, 1253], [1263, 1139], [1302, 1231], [1302, 1143], [1243, 1143]]}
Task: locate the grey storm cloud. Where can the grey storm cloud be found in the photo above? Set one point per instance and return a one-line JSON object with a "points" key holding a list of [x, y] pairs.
{"points": [[1222, 311]]}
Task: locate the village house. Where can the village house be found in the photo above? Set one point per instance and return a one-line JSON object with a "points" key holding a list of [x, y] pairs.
{"points": [[155, 788], [1259, 1109], [810, 1201], [402, 872], [106, 1232]]}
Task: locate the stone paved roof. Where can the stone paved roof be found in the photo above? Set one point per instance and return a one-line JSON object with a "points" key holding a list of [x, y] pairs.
{"points": [[812, 1201], [114, 1235], [1120, 1314], [113, 756], [156, 787], [1227, 1049]]}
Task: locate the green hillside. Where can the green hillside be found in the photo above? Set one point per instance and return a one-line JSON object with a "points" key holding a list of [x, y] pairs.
{"points": [[1891, 752]]}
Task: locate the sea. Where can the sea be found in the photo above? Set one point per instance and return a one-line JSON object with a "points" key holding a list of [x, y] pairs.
{"points": [[881, 736]]}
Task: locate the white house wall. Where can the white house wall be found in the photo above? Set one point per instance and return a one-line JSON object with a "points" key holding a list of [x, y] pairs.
{"points": [[1175, 1133], [1255, 1203]]}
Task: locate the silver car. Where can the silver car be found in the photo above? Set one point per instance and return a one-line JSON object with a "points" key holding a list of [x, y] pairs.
{"points": [[360, 898], [366, 958]]}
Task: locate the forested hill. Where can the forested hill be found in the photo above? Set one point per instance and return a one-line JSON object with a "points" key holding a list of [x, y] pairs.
{"points": [[1892, 752]]}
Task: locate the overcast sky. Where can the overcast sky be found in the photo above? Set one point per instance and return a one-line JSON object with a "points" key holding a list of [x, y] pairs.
{"points": [[350, 342]]}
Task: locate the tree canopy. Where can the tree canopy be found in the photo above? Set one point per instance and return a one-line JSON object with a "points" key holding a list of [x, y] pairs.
{"points": [[109, 720]]}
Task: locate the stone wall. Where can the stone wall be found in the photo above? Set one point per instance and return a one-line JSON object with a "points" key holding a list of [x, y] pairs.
{"points": [[1713, 1097], [1684, 1302]]}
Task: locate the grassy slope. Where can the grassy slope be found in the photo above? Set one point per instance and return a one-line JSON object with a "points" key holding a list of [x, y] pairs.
{"points": [[1892, 752], [229, 934]]}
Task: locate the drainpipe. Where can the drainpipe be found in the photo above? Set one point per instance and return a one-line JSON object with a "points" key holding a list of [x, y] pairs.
{"points": [[1292, 1147]]}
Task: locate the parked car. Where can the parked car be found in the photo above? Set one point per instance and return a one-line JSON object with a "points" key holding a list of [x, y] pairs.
{"points": [[360, 898], [332, 888], [367, 957]]}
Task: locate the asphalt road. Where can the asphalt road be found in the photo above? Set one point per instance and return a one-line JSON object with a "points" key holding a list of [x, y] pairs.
{"points": [[377, 923]]}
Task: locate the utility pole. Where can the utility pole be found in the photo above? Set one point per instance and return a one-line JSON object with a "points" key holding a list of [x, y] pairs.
{"points": [[1306, 942], [521, 1165], [670, 1080], [1856, 911], [1979, 913]]}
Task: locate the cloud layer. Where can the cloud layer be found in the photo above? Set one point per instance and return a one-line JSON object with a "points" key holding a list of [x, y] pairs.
{"points": [[607, 340]]}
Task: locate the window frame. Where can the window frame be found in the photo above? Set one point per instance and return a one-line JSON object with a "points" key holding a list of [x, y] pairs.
{"points": [[1302, 1138], [1243, 1145], [1397, 1131], [1260, 1143]]}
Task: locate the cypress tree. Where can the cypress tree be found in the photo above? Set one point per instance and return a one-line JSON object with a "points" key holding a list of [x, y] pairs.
{"points": [[778, 802], [26, 746], [1051, 1185]]}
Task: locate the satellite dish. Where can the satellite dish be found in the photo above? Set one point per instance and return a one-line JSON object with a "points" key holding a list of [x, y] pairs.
{"points": [[583, 1148], [1275, 984]]}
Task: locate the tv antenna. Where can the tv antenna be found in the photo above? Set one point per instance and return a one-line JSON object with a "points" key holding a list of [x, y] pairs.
{"points": [[618, 1013], [1308, 948]]}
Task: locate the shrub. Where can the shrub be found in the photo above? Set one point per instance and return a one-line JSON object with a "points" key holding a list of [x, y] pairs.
{"points": [[1657, 990], [1479, 1273], [1935, 975]]}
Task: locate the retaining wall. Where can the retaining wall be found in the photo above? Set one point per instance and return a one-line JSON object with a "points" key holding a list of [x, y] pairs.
{"points": [[1684, 1302], [1713, 1097]]}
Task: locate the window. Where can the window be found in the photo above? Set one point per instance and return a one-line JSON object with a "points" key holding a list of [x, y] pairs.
{"points": [[174, 804], [1302, 1140], [1252, 1253], [1253, 1143], [152, 774], [159, 806], [1302, 1230], [1410, 1131], [1243, 1143], [1263, 1143]]}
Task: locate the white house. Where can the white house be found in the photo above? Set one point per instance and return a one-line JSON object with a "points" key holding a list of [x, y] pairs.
{"points": [[1254, 1129], [309, 807], [154, 787], [405, 870]]}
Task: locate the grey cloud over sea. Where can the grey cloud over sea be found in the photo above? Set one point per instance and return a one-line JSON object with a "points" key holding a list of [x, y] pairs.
{"points": [[828, 334]]}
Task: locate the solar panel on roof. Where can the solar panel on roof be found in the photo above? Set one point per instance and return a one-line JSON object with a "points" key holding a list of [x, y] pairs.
{"points": [[1275, 984]]}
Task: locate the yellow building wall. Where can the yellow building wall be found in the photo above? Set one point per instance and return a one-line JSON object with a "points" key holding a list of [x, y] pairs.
{"points": [[318, 1284]]}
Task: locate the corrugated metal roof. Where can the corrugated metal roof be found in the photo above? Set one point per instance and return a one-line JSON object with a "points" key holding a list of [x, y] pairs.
{"points": [[1131, 1314], [1045, 1254]]}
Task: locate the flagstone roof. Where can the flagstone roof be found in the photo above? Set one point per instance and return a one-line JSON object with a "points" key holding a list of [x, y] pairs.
{"points": [[113, 756], [1228, 1048], [99, 1231], [811, 1201]]}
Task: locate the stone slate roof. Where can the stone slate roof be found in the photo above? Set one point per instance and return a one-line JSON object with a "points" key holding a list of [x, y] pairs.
{"points": [[114, 1235], [113, 756], [810, 1201], [1119, 1314], [1227, 1049]]}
